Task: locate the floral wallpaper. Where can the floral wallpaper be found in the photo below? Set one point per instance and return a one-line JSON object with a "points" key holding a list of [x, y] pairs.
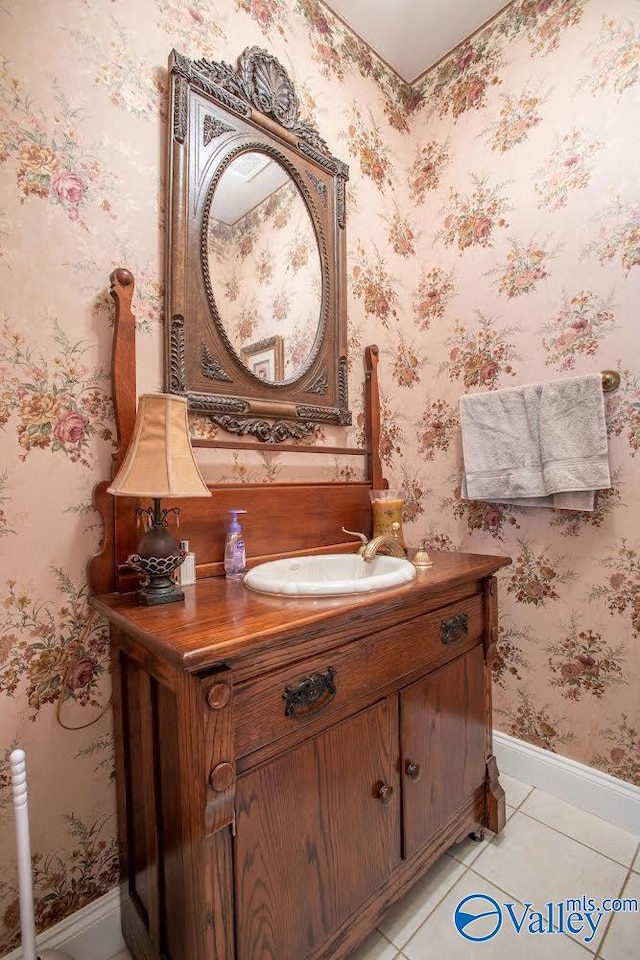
{"points": [[534, 221], [493, 240]]}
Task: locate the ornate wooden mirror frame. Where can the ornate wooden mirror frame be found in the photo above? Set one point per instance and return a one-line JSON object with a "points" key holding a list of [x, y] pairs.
{"points": [[219, 113]]}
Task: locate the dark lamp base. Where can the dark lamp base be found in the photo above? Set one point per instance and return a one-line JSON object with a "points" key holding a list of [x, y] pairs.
{"points": [[152, 595], [158, 556], [158, 585]]}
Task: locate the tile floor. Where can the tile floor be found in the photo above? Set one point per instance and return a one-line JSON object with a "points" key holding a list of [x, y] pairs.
{"points": [[549, 851]]}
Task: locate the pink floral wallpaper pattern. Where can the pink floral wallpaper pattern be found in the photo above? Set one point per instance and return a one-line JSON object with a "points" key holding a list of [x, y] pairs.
{"points": [[493, 240]]}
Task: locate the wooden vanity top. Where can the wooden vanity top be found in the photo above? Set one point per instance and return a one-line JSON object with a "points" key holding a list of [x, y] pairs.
{"points": [[220, 622]]}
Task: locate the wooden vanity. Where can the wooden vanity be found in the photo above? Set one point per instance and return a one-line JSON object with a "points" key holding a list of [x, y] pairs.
{"points": [[287, 768]]}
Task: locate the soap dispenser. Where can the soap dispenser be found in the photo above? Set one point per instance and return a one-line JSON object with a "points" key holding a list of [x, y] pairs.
{"points": [[235, 560]]}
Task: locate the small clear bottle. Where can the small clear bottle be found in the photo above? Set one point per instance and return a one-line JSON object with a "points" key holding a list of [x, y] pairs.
{"points": [[235, 560], [186, 572]]}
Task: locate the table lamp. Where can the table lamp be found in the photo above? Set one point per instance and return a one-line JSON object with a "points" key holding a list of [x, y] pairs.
{"points": [[159, 464]]}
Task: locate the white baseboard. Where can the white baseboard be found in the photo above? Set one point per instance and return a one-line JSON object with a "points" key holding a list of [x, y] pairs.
{"points": [[92, 933], [599, 793]]}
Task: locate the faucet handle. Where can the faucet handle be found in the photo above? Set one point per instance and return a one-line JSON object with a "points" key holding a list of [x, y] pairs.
{"points": [[422, 558], [396, 530], [360, 536]]}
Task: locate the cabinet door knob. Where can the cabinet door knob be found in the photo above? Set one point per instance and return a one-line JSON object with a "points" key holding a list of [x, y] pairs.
{"points": [[413, 770], [385, 792]]}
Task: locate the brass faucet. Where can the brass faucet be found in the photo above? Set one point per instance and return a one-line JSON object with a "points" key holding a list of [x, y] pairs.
{"points": [[390, 545], [369, 549]]}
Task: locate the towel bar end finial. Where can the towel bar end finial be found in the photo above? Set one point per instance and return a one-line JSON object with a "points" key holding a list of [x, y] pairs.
{"points": [[610, 380]]}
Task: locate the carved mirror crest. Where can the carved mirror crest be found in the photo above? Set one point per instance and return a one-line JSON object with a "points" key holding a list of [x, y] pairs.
{"points": [[256, 310]]}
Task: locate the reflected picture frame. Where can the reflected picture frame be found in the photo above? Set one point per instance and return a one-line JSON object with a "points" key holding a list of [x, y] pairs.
{"points": [[265, 359]]}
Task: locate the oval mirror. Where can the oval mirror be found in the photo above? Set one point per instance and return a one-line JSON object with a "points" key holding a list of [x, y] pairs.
{"points": [[264, 267]]}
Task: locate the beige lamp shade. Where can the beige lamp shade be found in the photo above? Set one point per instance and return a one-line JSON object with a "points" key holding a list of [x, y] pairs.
{"points": [[159, 461]]}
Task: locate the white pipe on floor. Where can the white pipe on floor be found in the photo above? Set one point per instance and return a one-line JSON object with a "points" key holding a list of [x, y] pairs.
{"points": [[25, 880]]}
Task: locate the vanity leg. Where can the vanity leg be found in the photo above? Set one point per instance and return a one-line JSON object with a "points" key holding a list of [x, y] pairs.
{"points": [[496, 814]]}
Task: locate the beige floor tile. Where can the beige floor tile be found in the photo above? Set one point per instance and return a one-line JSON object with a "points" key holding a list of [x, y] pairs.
{"points": [[375, 947], [582, 826], [404, 917], [516, 790], [438, 938], [636, 862], [536, 864], [622, 941]]}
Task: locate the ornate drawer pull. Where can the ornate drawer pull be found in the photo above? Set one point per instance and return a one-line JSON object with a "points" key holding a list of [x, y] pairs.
{"points": [[455, 628], [385, 793], [311, 694]]}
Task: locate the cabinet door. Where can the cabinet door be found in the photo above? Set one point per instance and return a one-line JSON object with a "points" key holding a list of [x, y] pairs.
{"points": [[318, 831], [443, 745]]}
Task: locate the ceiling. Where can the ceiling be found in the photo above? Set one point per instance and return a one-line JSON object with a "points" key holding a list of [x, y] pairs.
{"points": [[412, 35]]}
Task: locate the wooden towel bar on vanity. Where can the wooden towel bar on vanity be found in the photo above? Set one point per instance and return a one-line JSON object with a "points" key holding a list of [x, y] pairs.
{"points": [[287, 768]]}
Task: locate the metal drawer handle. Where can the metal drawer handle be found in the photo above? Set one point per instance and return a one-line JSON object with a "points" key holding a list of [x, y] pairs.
{"points": [[311, 694], [455, 628]]}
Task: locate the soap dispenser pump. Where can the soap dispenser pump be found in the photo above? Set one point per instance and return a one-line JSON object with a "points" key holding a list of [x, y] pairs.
{"points": [[235, 560]]}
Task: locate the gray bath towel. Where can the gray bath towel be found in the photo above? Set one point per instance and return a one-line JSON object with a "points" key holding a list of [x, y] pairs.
{"points": [[542, 444]]}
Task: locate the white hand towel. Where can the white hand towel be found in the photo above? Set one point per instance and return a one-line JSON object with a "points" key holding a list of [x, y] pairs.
{"points": [[571, 500], [536, 445], [573, 435], [501, 443]]}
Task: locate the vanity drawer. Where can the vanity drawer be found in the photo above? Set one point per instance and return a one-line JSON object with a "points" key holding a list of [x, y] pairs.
{"points": [[315, 692]]}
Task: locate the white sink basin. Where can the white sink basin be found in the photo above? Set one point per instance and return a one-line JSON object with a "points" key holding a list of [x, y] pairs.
{"points": [[329, 575]]}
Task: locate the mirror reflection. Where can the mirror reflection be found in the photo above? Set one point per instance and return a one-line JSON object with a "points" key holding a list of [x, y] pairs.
{"points": [[264, 265]]}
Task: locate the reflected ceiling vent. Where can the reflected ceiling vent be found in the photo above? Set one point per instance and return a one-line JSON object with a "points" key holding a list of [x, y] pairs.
{"points": [[249, 165]]}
